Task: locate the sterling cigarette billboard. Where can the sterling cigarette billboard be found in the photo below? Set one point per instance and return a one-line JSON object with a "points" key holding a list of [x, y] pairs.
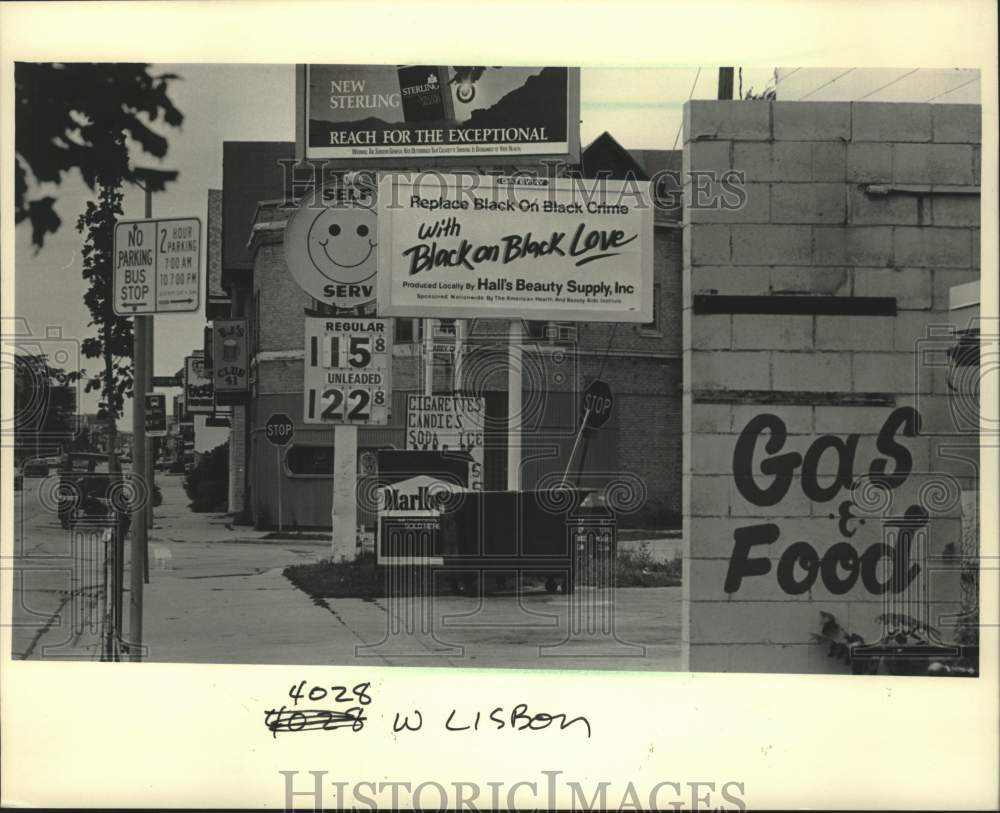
{"points": [[467, 246], [438, 112]]}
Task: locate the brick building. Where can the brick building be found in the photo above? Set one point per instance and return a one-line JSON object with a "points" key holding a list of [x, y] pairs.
{"points": [[639, 446], [817, 329]]}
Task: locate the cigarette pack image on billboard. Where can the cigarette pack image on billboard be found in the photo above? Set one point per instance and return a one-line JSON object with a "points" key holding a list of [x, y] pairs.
{"points": [[437, 113]]}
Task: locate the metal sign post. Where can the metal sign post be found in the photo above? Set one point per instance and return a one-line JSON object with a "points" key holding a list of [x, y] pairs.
{"points": [[157, 269], [576, 444], [277, 467], [137, 572], [596, 405], [347, 371], [279, 430]]}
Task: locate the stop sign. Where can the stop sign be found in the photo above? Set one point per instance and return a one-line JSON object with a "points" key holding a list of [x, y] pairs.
{"points": [[595, 408], [279, 429]]}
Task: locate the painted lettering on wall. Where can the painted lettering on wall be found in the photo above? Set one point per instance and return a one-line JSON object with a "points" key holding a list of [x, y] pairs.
{"points": [[843, 566]]}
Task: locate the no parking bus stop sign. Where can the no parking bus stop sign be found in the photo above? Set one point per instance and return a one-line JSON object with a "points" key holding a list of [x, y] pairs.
{"points": [[157, 266]]}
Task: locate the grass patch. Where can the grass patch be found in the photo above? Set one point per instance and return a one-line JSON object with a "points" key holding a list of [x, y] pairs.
{"points": [[362, 578], [296, 536], [632, 534], [637, 568], [365, 579]]}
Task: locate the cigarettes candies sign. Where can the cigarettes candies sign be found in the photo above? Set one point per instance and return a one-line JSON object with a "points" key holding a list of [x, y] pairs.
{"points": [[442, 423], [517, 247], [330, 245], [402, 112], [347, 370]]}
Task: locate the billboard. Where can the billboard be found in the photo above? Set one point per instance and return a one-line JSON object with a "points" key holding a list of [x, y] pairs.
{"points": [[470, 246], [443, 113], [198, 396]]}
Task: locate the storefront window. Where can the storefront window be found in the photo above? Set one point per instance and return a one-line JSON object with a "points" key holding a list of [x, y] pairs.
{"points": [[653, 328], [407, 330], [309, 461], [317, 461]]}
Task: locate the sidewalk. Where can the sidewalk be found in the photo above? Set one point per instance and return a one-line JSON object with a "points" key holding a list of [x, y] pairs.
{"points": [[217, 595]]}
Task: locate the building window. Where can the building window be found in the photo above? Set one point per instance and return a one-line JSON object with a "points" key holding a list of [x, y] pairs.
{"points": [[653, 328], [322, 309], [445, 327], [309, 461], [317, 461], [535, 330], [408, 331]]}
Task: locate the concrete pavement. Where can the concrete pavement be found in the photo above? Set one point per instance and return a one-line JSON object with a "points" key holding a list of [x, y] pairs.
{"points": [[56, 601], [217, 595]]}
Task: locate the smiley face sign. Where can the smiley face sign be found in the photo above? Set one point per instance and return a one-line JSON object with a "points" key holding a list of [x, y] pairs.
{"points": [[331, 246]]}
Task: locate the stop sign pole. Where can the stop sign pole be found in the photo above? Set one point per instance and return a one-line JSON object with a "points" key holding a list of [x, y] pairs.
{"points": [[576, 443], [597, 402], [279, 430]]}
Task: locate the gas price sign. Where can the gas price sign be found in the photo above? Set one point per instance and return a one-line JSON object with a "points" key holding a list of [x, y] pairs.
{"points": [[348, 361]]}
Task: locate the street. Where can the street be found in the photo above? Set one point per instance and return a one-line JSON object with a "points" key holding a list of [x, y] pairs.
{"points": [[217, 594]]}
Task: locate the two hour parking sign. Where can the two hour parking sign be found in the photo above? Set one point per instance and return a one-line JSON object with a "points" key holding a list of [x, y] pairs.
{"points": [[157, 266]]}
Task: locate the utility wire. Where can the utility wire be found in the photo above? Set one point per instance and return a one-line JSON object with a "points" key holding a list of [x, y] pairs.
{"points": [[893, 82], [783, 78], [957, 87], [826, 84], [681, 125]]}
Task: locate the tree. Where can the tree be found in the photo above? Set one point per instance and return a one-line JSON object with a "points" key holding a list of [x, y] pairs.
{"points": [[44, 405], [67, 115], [115, 341]]}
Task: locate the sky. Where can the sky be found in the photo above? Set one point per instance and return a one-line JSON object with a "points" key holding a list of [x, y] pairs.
{"points": [[640, 107]]}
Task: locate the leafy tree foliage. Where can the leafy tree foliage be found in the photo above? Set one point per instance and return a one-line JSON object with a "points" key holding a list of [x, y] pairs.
{"points": [[44, 404], [114, 342], [207, 484], [70, 115]]}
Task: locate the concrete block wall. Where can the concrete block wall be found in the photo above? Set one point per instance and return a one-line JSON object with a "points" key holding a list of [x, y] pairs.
{"points": [[840, 203]]}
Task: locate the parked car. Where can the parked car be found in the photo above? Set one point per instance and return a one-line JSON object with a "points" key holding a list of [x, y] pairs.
{"points": [[88, 489], [35, 467], [85, 486]]}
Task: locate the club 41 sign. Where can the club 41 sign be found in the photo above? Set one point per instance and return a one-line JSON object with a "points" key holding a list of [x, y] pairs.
{"points": [[470, 246], [330, 245], [347, 370]]}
